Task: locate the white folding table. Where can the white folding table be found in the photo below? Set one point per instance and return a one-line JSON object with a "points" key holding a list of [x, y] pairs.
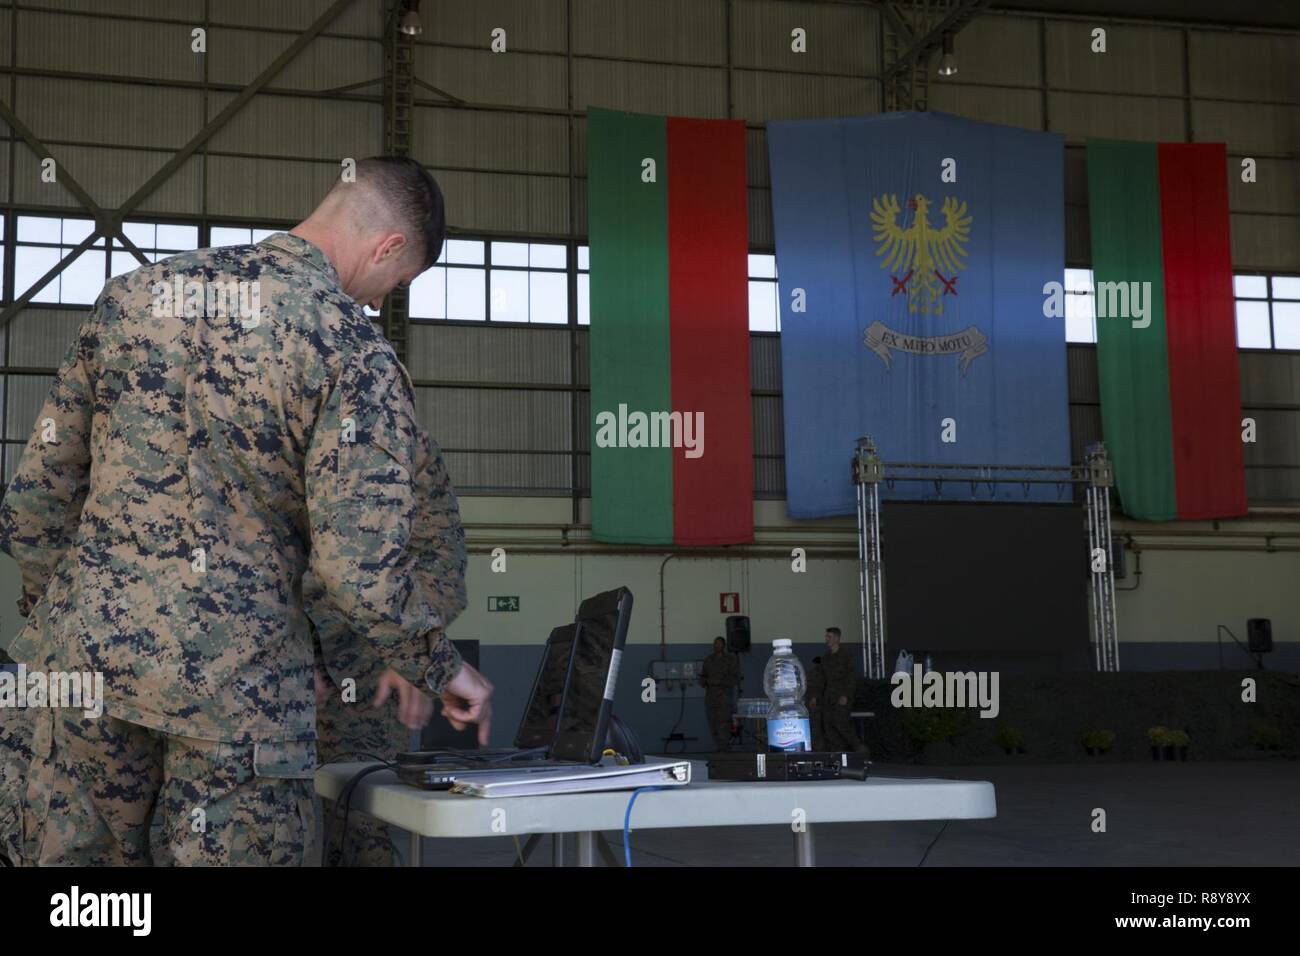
{"points": [[704, 803]]}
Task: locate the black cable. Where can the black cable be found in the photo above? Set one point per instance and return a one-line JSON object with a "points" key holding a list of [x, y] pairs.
{"points": [[933, 842], [344, 799]]}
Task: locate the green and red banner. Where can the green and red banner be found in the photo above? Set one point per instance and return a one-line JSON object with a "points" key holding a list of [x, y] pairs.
{"points": [[1166, 330], [668, 225]]}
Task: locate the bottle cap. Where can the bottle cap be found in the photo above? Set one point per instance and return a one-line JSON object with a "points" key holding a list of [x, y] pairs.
{"points": [[782, 642]]}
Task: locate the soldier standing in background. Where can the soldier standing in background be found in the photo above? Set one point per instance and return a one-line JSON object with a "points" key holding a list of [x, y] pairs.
{"points": [[354, 721], [841, 686], [721, 677], [194, 460], [817, 703]]}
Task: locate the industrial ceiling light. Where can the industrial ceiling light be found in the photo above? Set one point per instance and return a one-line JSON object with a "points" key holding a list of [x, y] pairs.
{"points": [[948, 62], [410, 23]]}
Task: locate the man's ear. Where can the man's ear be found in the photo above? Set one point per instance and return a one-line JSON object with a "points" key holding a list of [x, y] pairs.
{"points": [[390, 247]]}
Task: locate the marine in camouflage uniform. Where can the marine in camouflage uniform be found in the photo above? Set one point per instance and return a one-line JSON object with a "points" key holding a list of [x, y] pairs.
{"points": [[347, 723], [817, 703], [721, 677], [186, 472], [841, 685]]}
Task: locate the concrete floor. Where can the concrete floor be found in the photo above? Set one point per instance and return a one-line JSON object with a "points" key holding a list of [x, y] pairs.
{"points": [[1244, 813]]}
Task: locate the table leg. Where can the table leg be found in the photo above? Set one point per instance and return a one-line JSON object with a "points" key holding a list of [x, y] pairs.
{"points": [[586, 849], [804, 853], [557, 849], [417, 850]]}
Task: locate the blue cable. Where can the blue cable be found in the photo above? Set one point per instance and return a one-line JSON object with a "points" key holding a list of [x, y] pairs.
{"points": [[627, 823]]}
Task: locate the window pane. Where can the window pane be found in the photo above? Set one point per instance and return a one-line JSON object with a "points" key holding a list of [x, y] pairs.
{"points": [[509, 296], [762, 266], [38, 229], [465, 250], [1286, 287], [584, 299], [510, 254], [1078, 280], [584, 254], [83, 280], [465, 293], [180, 238], [260, 234], [32, 262], [547, 256], [428, 296], [762, 306], [548, 298], [1080, 325], [1286, 325], [141, 233], [231, 236], [1250, 287], [75, 230], [1252, 325], [373, 313], [124, 262]]}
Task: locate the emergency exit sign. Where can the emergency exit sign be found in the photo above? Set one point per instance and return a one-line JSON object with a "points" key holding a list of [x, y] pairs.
{"points": [[729, 602], [499, 603]]}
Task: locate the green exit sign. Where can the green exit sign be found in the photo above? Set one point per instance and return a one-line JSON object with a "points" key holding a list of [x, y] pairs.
{"points": [[503, 603]]}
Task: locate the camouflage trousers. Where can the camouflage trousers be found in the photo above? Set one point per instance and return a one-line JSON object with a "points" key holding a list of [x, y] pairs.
{"points": [[837, 728], [718, 707], [817, 727], [104, 792], [355, 729], [15, 758]]}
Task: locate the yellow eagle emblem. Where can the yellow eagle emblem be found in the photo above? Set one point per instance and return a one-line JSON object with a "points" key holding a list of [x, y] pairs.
{"points": [[921, 254]]}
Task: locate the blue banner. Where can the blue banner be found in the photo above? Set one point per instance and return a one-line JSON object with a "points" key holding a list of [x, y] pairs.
{"points": [[917, 246]]}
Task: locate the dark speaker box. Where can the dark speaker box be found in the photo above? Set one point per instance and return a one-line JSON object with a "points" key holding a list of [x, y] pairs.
{"points": [[737, 633], [1259, 635]]}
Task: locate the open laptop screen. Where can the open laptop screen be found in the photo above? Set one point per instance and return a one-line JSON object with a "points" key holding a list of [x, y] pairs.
{"points": [[584, 714], [542, 714]]}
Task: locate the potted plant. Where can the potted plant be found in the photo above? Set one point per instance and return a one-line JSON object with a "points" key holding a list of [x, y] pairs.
{"points": [[1097, 742], [1010, 740], [1267, 737], [1178, 740], [933, 725], [1159, 738]]}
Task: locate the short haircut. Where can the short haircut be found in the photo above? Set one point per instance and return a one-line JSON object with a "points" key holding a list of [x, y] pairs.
{"points": [[833, 630], [412, 195]]}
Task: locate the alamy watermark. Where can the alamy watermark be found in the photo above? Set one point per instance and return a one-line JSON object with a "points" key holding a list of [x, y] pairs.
{"points": [[946, 689], [190, 298], [635, 429], [80, 690]]}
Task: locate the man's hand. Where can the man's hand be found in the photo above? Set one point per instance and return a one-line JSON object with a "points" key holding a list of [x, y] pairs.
{"points": [[414, 709], [468, 700]]}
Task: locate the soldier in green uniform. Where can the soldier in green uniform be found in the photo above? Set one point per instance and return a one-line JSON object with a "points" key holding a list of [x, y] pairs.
{"points": [[841, 685], [226, 422], [348, 721], [817, 703], [721, 677]]}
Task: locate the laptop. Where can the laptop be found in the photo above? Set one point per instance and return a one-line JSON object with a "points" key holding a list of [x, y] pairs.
{"points": [[567, 718]]}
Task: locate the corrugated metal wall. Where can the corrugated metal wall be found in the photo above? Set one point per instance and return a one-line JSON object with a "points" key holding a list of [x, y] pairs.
{"points": [[113, 88]]}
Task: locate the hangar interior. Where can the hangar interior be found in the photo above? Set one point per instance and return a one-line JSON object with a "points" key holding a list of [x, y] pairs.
{"points": [[241, 138]]}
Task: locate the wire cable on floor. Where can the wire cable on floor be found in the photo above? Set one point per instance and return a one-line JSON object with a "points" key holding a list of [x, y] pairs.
{"points": [[627, 823]]}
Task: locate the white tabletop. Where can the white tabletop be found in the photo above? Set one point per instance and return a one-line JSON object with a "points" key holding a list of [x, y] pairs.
{"points": [[703, 803]]}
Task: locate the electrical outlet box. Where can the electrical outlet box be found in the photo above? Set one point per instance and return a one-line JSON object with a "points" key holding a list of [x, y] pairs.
{"points": [[672, 677]]}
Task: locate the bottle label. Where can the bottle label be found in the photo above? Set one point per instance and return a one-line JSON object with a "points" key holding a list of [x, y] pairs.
{"points": [[789, 734]]}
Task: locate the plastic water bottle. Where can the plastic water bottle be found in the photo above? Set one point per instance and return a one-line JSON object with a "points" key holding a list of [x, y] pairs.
{"points": [[787, 717]]}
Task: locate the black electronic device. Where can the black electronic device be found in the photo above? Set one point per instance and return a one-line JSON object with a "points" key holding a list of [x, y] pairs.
{"points": [[1259, 635], [789, 766], [569, 712]]}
